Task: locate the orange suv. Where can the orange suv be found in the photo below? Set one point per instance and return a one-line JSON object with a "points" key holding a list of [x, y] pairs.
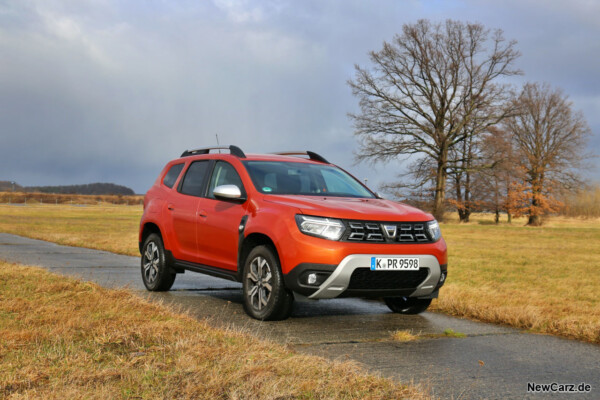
{"points": [[287, 227]]}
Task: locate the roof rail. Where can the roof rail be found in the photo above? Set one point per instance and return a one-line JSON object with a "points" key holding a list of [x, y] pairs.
{"points": [[234, 150], [311, 154]]}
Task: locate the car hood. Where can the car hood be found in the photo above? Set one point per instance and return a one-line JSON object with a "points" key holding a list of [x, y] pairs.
{"points": [[351, 208]]}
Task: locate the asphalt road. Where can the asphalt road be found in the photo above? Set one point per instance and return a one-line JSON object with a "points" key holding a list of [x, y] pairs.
{"points": [[355, 329]]}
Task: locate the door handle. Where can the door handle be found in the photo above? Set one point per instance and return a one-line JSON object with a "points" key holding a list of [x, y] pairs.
{"points": [[202, 213], [170, 207]]}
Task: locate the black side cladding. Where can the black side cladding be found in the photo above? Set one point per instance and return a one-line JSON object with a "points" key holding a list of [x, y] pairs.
{"points": [[241, 229]]}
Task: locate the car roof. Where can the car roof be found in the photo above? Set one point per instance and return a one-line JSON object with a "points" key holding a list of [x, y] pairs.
{"points": [[279, 157], [249, 157], [239, 153]]}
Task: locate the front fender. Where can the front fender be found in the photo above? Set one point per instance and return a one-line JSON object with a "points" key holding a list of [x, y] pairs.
{"points": [[279, 226]]}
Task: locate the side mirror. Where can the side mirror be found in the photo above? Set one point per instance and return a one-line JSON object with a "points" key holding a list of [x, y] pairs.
{"points": [[228, 192], [379, 195]]}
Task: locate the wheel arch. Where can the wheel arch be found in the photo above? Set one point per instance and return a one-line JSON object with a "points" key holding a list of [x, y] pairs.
{"points": [[149, 228], [250, 242]]}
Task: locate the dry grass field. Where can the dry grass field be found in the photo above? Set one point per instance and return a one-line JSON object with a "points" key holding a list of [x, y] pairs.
{"points": [[103, 227], [66, 339], [544, 279]]}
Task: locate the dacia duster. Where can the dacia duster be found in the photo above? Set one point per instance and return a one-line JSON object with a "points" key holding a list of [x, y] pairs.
{"points": [[287, 226]]}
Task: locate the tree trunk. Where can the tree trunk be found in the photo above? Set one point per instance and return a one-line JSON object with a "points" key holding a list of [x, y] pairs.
{"points": [[466, 165], [467, 208], [440, 186], [464, 213], [497, 217], [535, 218], [507, 205], [460, 205]]}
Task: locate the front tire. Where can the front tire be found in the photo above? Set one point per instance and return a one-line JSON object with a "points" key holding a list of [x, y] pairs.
{"points": [[407, 305], [265, 296], [156, 274]]}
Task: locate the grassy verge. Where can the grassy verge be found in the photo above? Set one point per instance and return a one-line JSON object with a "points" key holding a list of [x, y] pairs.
{"points": [[63, 338], [542, 279]]}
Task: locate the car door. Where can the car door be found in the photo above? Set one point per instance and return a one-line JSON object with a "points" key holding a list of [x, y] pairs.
{"points": [[218, 234], [182, 208]]}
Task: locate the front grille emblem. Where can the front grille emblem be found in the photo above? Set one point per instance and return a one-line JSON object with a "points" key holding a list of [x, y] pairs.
{"points": [[390, 231]]}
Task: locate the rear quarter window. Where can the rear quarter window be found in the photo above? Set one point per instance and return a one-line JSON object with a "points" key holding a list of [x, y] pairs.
{"points": [[171, 176]]}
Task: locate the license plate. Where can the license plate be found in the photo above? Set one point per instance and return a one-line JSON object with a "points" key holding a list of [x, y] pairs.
{"points": [[394, 263]]}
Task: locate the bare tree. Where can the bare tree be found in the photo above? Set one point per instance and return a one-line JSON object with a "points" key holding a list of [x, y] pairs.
{"points": [[550, 138], [504, 172], [425, 87], [467, 162]]}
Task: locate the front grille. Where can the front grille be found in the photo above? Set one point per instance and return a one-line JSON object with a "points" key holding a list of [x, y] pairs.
{"points": [[365, 279], [365, 231], [412, 233], [386, 232]]}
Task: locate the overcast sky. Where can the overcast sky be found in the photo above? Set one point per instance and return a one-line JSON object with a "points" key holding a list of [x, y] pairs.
{"points": [[109, 91]]}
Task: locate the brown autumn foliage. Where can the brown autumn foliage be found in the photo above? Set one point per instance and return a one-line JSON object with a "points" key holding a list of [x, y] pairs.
{"points": [[523, 200], [549, 139], [530, 164]]}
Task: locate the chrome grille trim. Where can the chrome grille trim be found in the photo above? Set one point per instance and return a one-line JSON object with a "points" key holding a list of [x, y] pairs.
{"points": [[375, 232]]}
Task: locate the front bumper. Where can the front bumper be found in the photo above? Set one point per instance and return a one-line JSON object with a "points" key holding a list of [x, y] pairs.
{"points": [[353, 278]]}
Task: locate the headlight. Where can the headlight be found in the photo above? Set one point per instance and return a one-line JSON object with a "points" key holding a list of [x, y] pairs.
{"points": [[326, 228], [434, 230]]}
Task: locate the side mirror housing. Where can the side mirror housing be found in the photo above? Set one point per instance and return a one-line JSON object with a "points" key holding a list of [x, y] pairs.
{"points": [[228, 192]]}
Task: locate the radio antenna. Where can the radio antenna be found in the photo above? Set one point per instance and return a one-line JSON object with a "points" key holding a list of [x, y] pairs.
{"points": [[218, 144]]}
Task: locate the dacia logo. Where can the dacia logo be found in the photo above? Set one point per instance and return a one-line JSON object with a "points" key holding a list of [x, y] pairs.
{"points": [[390, 231]]}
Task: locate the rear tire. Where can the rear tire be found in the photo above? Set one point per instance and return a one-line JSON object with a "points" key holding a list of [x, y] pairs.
{"points": [[265, 296], [156, 274], [407, 305]]}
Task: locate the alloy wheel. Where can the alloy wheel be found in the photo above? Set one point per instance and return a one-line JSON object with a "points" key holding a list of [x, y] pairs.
{"points": [[259, 281], [151, 260]]}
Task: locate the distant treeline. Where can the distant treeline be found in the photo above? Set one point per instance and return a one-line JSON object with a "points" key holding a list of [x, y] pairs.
{"points": [[75, 199], [583, 203], [93, 189]]}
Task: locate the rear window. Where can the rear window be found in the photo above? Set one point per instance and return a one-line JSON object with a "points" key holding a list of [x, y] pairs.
{"points": [[172, 175]]}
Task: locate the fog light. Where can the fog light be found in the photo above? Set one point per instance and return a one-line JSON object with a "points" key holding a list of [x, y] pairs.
{"points": [[442, 277], [313, 278]]}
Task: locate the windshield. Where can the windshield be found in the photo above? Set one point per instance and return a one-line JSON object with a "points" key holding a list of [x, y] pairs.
{"points": [[281, 177]]}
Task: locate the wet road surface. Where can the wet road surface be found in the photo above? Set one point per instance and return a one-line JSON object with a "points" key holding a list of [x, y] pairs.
{"points": [[355, 329]]}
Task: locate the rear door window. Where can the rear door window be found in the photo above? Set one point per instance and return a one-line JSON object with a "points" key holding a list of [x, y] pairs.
{"points": [[193, 181]]}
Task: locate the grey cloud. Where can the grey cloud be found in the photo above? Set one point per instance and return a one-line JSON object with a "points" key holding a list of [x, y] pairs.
{"points": [[108, 90]]}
